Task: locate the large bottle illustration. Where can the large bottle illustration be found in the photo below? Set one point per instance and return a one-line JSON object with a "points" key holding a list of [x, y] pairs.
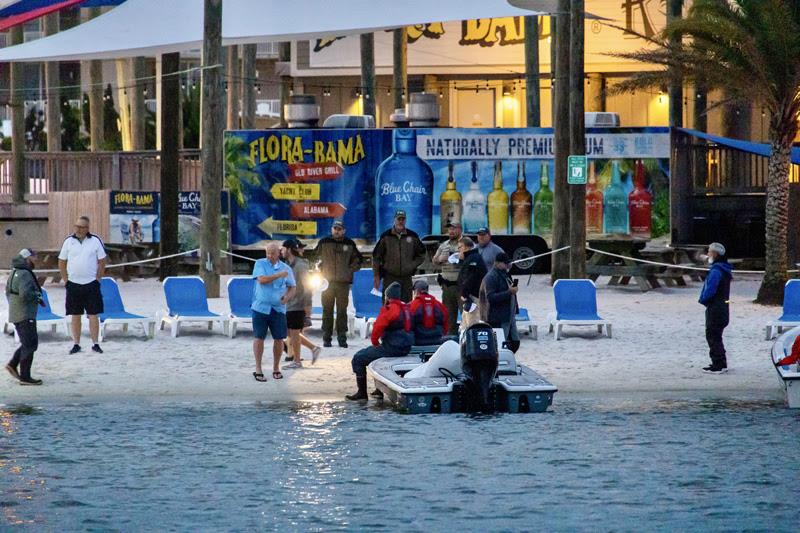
{"points": [[404, 181], [543, 204], [157, 230], [449, 202], [474, 213], [594, 203], [641, 202], [498, 203], [615, 204], [521, 204]]}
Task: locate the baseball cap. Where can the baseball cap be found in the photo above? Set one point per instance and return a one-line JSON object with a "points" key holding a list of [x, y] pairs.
{"points": [[502, 257], [400, 213], [338, 224], [717, 247], [293, 244], [26, 253], [483, 230], [453, 224], [420, 285]]}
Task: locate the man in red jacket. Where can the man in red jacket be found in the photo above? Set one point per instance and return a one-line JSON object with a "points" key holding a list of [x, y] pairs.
{"points": [[392, 336], [429, 316]]}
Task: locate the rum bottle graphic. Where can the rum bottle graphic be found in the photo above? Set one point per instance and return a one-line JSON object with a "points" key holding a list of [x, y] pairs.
{"points": [[498, 203], [641, 205], [543, 204], [521, 204], [594, 203], [474, 213], [449, 202], [615, 204]]}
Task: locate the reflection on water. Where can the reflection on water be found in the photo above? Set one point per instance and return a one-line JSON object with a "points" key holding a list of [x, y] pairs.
{"points": [[591, 463]]}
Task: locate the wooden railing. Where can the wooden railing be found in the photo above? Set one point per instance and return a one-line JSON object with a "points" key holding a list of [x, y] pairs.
{"points": [[90, 171]]}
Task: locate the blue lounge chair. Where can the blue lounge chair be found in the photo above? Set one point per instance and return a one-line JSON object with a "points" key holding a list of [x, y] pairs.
{"points": [[44, 317], [186, 302], [525, 324], [114, 311], [240, 298], [791, 310], [576, 305], [366, 304]]}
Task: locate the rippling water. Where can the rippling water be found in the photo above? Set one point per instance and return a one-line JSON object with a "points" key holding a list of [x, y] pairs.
{"points": [[591, 463]]}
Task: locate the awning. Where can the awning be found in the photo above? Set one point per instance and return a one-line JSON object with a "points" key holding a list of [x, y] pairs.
{"points": [[762, 149], [155, 27]]}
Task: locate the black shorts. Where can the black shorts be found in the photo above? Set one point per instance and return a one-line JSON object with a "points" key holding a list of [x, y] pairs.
{"points": [[295, 319], [84, 298]]}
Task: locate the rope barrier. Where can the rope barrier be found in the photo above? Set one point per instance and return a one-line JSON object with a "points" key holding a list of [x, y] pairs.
{"points": [[239, 256], [117, 265], [669, 265]]}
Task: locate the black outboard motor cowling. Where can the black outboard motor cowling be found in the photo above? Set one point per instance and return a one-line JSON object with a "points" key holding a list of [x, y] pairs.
{"points": [[479, 358]]}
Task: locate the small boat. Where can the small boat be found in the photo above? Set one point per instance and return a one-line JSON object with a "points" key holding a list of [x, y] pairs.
{"points": [[473, 376], [789, 374]]}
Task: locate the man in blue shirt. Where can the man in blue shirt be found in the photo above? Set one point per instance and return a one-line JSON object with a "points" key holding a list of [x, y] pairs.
{"points": [[274, 287]]}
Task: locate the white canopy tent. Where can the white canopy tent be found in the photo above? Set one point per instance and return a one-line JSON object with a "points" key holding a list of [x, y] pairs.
{"points": [[155, 27]]}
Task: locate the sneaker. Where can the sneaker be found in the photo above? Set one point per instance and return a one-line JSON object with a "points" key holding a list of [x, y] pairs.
{"points": [[327, 343], [292, 365], [315, 354], [342, 343], [75, 349], [713, 369], [97, 348], [30, 381]]}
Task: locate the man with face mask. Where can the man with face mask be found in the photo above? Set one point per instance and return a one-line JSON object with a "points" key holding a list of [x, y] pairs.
{"points": [[715, 297]]}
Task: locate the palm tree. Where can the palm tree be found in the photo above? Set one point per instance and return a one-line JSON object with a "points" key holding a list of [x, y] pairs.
{"points": [[750, 49]]}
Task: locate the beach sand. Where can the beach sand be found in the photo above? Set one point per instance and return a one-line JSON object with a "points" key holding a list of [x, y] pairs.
{"points": [[658, 348]]}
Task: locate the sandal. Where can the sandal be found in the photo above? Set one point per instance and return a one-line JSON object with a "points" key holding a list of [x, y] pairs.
{"points": [[259, 376], [277, 375]]}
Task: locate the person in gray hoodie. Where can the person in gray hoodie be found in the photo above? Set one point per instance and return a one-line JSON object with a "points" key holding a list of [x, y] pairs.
{"points": [[24, 297]]}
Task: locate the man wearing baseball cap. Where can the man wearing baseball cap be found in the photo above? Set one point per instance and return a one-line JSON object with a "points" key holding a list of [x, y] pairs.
{"points": [[428, 315], [24, 298], [397, 255], [448, 278], [297, 304], [487, 248]]}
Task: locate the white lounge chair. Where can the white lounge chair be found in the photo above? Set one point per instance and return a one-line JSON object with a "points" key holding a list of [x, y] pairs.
{"points": [[186, 302], [240, 298], [114, 311]]}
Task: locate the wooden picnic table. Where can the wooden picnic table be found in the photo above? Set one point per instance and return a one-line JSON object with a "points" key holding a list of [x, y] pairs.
{"points": [[117, 254], [621, 271]]}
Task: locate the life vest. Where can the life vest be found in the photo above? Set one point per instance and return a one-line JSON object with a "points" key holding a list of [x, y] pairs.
{"points": [[428, 311]]}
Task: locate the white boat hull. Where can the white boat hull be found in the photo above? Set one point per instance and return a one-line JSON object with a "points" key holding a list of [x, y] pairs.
{"points": [[788, 375]]}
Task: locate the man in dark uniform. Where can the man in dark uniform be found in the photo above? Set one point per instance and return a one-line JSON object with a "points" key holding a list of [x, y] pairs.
{"points": [[397, 255], [715, 296]]}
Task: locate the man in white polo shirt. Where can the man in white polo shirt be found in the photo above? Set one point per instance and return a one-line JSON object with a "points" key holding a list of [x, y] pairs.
{"points": [[82, 263]]}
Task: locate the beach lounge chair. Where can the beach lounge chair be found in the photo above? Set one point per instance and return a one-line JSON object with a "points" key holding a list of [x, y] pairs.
{"points": [[791, 310], [576, 305], [44, 317], [240, 298], [525, 324], [186, 302], [114, 311], [367, 305]]}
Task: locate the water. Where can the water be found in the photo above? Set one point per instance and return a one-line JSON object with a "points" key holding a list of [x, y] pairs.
{"points": [[597, 464]]}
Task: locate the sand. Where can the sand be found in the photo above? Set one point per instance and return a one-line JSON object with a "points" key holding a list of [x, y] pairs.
{"points": [[658, 348]]}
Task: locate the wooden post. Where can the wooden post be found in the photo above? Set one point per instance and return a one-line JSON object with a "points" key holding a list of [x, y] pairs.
{"points": [[533, 105], [553, 37], [597, 92], [123, 73], [95, 67], [211, 157], [368, 74], [675, 90], [248, 86], [52, 80], [20, 184], [135, 92], [170, 179], [400, 63], [561, 202], [285, 55], [232, 80], [577, 142]]}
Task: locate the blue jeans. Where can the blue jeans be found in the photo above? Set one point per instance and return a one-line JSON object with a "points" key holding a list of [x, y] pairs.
{"points": [[365, 356]]}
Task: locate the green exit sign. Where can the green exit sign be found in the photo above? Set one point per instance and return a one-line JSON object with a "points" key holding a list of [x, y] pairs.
{"points": [[576, 170]]}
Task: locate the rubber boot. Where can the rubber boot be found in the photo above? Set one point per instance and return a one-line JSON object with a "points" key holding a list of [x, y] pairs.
{"points": [[361, 393]]}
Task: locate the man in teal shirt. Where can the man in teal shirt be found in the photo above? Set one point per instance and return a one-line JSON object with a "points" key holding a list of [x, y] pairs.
{"points": [[274, 287]]}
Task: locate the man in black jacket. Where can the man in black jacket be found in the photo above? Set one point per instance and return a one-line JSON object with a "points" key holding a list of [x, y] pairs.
{"points": [[339, 259], [499, 301], [470, 276], [397, 255]]}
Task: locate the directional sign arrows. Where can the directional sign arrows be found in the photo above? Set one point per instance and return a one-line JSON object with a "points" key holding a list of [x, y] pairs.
{"points": [[317, 210], [288, 227], [295, 191]]}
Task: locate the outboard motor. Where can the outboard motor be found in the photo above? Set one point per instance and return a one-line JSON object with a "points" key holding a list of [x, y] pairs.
{"points": [[479, 358]]}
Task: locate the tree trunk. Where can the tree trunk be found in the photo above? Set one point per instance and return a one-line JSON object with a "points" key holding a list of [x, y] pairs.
{"points": [[675, 90], [52, 80], [170, 161], [122, 67], [368, 74], [561, 202], [136, 100], [248, 86], [233, 87], [286, 81], [533, 105], [400, 73], [212, 146], [20, 183], [577, 143], [777, 221]]}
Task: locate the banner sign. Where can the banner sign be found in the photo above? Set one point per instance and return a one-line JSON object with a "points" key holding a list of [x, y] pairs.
{"points": [[133, 217], [295, 183]]}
